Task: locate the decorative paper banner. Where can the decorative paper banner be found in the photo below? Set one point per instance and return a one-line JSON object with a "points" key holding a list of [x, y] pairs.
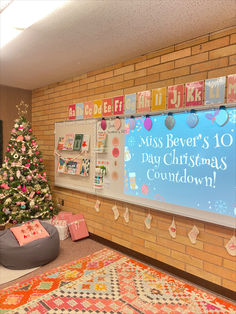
{"points": [[194, 94], [231, 90], [97, 108], [79, 111], [215, 91], [159, 99], [71, 114], [143, 101], [130, 103], [107, 107], [175, 96], [118, 105], [88, 110]]}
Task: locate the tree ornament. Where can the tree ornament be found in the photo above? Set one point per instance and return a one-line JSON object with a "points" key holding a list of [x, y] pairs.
{"points": [[148, 123], [19, 138], [22, 108]]}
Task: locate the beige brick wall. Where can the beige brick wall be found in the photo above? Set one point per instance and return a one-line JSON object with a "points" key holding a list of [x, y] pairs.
{"points": [[205, 57]]}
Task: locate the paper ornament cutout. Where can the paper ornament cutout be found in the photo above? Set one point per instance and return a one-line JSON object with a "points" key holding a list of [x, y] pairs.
{"points": [[117, 123], [126, 214], [115, 141], [222, 117], [148, 123], [116, 212], [103, 124], [193, 235], [192, 120], [147, 221], [172, 229], [231, 246], [115, 152], [169, 122], [132, 124], [97, 206]]}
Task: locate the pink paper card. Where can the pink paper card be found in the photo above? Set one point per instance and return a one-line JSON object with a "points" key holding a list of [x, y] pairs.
{"points": [[231, 89], [175, 96], [107, 107], [143, 101], [118, 105], [71, 112], [88, 110], [194, 94]]}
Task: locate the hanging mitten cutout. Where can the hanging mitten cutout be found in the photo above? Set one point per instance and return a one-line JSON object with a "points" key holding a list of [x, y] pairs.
{"points": [[193, 235], [116, 212], [172, 229], [147, 221], [103, 124], [231, 246], [169, 122], [126, 214], [148, 123], [97, 205], [192, 120]]}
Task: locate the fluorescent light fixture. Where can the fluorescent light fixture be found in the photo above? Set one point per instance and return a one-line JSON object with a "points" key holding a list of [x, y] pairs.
{"points": [[21, 14]]}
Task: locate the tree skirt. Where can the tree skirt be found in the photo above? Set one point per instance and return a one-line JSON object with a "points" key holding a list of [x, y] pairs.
{"points": [[108, 282]]}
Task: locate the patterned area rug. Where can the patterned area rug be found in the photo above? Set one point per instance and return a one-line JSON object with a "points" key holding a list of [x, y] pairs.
{"points": [[108, 282]]}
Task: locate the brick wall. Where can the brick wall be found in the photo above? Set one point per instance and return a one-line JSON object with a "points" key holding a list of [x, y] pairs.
{"points": [[209, 56]]}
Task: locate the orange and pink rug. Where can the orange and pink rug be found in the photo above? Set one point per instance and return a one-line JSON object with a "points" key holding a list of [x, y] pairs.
{"points": [[108, 282]]}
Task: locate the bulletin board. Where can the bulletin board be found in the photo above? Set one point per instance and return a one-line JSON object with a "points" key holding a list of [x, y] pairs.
{"points": [[76, 182], [183, 164]]}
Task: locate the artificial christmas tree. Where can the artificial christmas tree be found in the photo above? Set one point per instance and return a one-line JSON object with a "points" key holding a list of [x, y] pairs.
{"points": [[24, 189]]}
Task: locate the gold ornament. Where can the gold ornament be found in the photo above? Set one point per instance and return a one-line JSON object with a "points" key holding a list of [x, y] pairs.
{"points": [[22, 108]]}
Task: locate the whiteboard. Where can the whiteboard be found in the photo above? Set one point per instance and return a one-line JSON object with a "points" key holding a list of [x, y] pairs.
{"points": [[116, 178]]}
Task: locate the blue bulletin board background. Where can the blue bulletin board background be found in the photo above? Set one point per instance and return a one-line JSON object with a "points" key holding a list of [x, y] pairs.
{"points": [[191, 167]]}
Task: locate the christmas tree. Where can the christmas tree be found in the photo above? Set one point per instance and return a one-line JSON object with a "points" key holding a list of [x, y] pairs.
{"points": [[24, 189]]}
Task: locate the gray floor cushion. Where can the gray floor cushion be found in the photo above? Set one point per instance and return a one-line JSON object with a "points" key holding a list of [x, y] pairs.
{"points": [[33, 254]]}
